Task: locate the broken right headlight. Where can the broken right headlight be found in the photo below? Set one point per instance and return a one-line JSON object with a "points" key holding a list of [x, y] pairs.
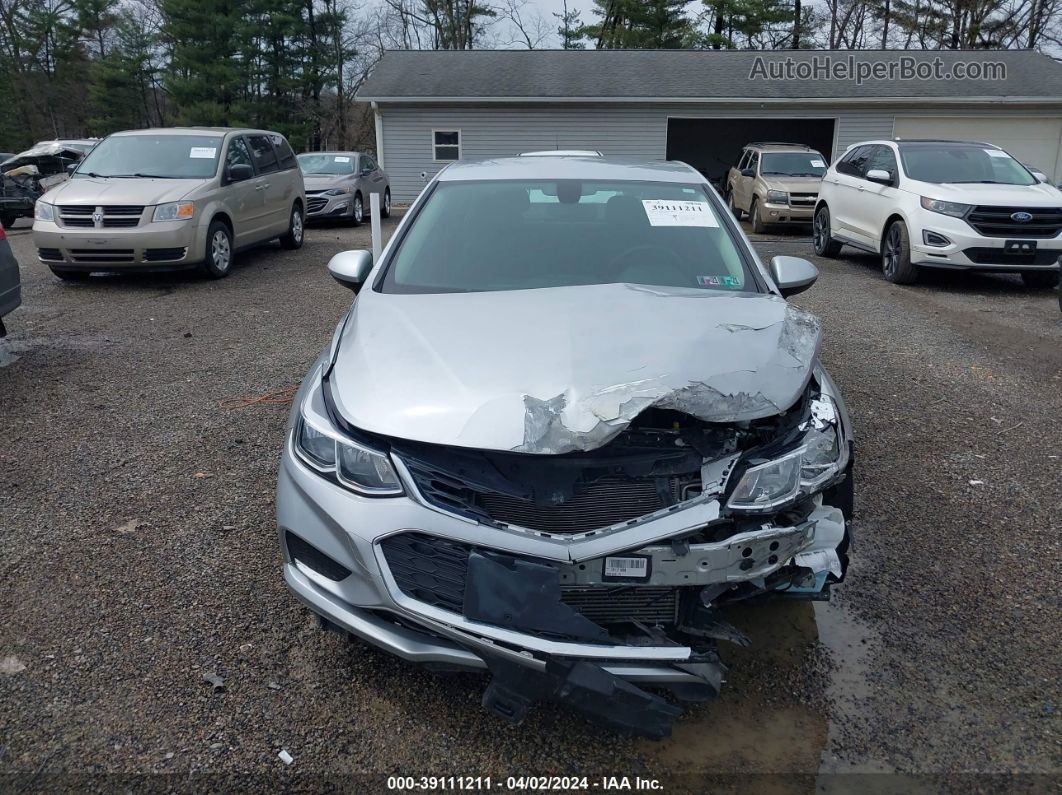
{"points": [[823, 454]]}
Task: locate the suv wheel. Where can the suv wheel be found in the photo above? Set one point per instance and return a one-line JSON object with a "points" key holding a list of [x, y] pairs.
{"points": [[730, 203], [7, 221], [896, 255], [1040, 278], [357, 215], [293, 239], [385, 211], [754, 216], [217, 261], [825, 246]]}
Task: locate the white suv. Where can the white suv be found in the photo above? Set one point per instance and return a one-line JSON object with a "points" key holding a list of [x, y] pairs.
{"points": [[940, 204]]}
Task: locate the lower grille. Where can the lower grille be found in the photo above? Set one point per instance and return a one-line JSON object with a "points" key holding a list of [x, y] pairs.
{"points": [[996, 256], [997, 221], [605, 502], [163, 254], [50, 254], [610, 605], [311, 556], [315, 204], [101, 254]]}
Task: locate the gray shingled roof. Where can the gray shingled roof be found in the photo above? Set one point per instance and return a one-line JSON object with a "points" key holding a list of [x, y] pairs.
{"points": [[612, 75]]}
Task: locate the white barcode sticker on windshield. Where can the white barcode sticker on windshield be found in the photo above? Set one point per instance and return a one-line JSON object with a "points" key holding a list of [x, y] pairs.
{"points": [[997, 153], [818, 164], [203, 152], [627, 567], [341, 159], [668, 212]]}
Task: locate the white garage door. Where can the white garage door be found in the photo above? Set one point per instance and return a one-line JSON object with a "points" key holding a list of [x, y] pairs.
{"points": [[1032, 140]]}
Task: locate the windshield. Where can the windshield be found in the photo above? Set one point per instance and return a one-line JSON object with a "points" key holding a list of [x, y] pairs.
{"points": [[793, 164], [951, 163], [484, 236], [164, 156], [326, 164]]}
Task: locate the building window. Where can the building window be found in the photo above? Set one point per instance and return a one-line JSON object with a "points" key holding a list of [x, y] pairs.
{"points": [[446, 144]]}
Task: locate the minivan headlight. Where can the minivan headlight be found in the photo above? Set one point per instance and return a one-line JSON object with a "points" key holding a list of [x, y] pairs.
{"points": [[43, 211], [954, 209], [174, 211], [777, 197], [352, 465]]}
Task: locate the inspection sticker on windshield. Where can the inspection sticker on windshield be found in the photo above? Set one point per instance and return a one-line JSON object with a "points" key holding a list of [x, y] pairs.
{"points": [[627, 568], [818, 164], [997, 153], [665, 212], [340, 159], [203, 152]]}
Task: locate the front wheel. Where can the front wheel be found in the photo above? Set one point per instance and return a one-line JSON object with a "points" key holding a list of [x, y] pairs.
{"points": [[293, 239], [385, 211], [357, 214], [896, 255], [217, 261], [1040, 278], [7, 221], [733, 207], [754, 217], [825, 246]]}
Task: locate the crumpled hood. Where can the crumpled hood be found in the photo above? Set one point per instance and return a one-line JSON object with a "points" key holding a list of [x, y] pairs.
{"points": [[555, 370], [136, 190]]}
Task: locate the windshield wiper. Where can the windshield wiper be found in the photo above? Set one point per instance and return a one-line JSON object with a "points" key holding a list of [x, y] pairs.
{"points": [[143, 176]]}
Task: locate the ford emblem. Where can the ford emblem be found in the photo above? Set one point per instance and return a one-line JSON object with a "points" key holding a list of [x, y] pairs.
{"points": [[1021, 217]]}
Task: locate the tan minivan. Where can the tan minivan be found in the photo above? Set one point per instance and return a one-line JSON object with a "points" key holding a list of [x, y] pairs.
{"points": [[775, 183], [169, 199]]}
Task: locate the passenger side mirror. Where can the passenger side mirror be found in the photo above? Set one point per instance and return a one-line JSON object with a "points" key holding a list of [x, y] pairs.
{"points": [[238, 172], [748, 172], [351, 268], [879, 175], [71, 167], [793, 275]]}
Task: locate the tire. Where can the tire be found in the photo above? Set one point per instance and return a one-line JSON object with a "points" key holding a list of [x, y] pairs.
{"points": [[1040, 278], [217, 259], [296, 230], [357, 211], [825, 246], [385, 210], [754, 217], [733, 207], [70, 276], [896, 255], [7, 221]]}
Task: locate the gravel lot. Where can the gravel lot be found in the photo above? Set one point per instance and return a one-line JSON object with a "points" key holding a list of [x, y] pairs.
{"points": [[136, 522]]}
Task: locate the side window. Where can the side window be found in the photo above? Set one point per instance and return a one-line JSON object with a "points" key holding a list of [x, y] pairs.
{"points": [[265, 159], [743, 159], [854, 163], [367, 164], [238, 153], [283, 149], [884, 159], [754, 161], [446, 144]]}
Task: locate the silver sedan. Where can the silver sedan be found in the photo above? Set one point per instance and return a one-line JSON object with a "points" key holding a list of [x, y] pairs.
{"points": [[338, 185]]}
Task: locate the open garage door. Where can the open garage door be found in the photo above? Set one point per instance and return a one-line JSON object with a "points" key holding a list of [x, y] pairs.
{"points": [[712, 146], [1032, 141]]}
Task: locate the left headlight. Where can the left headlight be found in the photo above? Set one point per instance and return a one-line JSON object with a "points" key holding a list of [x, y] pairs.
{"points": [[174, 211], [43, 211], [337, 192], [777, 197], [823, 453], [954, 209], [353, 465]]}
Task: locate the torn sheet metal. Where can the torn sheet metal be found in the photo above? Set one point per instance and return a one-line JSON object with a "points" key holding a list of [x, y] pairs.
{"points": [[565, 369]]}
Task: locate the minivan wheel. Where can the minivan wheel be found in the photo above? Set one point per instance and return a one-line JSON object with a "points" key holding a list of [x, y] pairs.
{"points": [[1040, 278], [70, 276], [896, 255], [825, 246], [358, 213], [754, 216], [296, 230], [217, 261], [385, 211]]}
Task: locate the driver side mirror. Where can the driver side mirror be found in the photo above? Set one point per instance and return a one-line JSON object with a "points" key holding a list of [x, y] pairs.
{"points": [[351, 268], [879, 175], [748, 172], [238, 172], [792, 274]]}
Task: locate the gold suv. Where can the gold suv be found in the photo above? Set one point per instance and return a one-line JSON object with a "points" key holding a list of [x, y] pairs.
{"points": [[775, 183]]}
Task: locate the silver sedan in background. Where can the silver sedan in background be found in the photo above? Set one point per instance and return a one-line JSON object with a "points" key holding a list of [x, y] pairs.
{"points": [[338, 185]]}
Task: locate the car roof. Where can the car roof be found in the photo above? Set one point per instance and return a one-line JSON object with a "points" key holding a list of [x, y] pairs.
{"points": [[772, 146], [563, 166], [212, 132], [331, 152]]}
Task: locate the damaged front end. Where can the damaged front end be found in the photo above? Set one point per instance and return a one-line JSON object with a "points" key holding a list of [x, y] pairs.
{"points": [[579, 576]]}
